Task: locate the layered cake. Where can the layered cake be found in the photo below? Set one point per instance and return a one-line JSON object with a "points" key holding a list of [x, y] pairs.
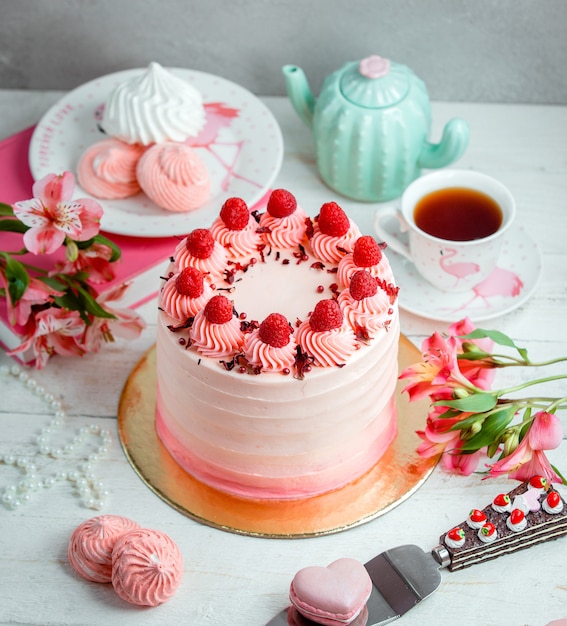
{"points": [[277, 351]]}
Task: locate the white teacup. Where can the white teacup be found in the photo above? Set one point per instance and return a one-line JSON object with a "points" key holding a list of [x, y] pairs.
{"points": [[451, 261]]}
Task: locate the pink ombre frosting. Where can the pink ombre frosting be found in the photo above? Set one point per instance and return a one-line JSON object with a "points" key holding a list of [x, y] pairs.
{"points": [[284, 232], [147, 567], [91, 544], [332, 249], [276, 423], [216, 341], [347, 268], [107, 169], [180, 306], [238, 243], [269, 358], [370, 313], [214, 265], [329, 348], [174, 177]]}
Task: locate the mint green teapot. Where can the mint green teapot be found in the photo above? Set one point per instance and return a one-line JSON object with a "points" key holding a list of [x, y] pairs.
{"points": [[371, 124]]}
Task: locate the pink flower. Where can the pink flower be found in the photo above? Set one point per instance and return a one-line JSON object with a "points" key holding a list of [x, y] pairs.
{"points": [[52, 215], [437, 369], [126, 324], [36, 294], [95, 260], [54, 331], [464, 464], [479, 373], [528, 459]]}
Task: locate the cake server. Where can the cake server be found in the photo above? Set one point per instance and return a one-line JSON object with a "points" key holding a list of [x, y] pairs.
{"points": [[405, 575]]}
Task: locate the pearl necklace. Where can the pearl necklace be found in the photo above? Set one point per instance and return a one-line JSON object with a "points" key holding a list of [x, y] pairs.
{"points": [[94, 439]]}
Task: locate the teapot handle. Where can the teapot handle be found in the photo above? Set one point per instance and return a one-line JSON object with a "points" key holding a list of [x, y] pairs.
{"points": [[452, 146]]}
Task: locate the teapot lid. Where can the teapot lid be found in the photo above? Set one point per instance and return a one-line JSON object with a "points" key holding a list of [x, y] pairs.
{"points": [[375, 82]]}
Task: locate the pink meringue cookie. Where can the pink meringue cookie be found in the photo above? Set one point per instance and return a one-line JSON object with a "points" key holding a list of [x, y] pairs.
{"points": [[91, 544], [174, 177], [147, 567], [107, 169]]}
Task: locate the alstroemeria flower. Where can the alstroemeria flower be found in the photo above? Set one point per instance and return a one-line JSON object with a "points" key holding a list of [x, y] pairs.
{"points": [[529, 459], [479, 373], [54, 331], [37, 293], [95, 260], [437, 369], [127, 324], [52, 215]]}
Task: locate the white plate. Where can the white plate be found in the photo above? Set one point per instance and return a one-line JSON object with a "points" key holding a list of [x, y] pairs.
{"points": [[243, 157], [510, 285]]}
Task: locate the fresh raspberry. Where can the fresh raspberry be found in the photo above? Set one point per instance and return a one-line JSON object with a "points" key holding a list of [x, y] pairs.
{"points": [[218, 310], [235, 214], [327, 315], [189, 282], [362, 285], [281, 203], [333, 221], [200, 243], [275, 330], [366, 252]]}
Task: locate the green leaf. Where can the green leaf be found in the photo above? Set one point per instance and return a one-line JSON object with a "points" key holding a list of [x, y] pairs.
{"points": [[493, 428], [473, 356], [53, 282], [17, 277], [12, 226], [498, 337], [92, 306], [116, 252], [6, 209], [475, 403]]}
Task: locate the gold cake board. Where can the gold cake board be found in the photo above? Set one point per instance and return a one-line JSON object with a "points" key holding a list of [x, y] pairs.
{"points": [[396, 476]]}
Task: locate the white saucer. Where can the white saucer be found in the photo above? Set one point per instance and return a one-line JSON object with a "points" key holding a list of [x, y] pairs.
{"points": [[241, 146], [508, 287]]}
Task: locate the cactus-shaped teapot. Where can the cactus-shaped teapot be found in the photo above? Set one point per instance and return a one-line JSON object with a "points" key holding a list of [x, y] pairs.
{"points": [[371, 124]]}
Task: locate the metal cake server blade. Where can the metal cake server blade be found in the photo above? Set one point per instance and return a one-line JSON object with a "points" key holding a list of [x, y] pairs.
{"points": [[401, 578]]}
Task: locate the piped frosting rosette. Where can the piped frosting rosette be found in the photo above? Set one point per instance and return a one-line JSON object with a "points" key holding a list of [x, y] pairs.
{"points": [[201, 251], [284, 225], [91, 544], [271, 347], [366, 255], [174, 177], [334, 234], [186, 293], [147, 567], [154, 107], [325, 336], [216, 332], [366, 306], [107, 169], [236, 230]]}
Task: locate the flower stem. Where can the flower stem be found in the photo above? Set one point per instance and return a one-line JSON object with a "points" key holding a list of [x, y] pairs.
{"points": [[530, 383]]}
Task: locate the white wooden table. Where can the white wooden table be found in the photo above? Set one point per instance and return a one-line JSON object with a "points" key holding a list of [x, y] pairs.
{"points": [[236, 580]]}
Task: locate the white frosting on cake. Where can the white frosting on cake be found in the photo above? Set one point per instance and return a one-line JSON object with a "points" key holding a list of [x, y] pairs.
{"points": [[154, 107], [272, 435]]}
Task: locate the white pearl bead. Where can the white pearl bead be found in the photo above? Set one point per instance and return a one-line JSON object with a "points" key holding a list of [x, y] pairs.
{"points": [[15, 370], [4, 370], [31, 384]]}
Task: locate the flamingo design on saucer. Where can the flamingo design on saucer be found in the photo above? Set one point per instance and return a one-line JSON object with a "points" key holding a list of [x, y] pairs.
{"points": [[457, 269], [509, 285]]}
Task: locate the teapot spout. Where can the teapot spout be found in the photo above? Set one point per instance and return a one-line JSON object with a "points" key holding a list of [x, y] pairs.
{"points": [[453, 144], [299, 93]]}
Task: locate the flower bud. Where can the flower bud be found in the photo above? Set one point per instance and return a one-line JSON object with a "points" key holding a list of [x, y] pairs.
{"points": [[546, 432], [460, 392], [511, 439]]}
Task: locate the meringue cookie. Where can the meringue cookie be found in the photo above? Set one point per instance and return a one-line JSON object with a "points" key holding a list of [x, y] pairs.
{"points": [[107, 169], [147, 567], [91, 544], [174, 177]]}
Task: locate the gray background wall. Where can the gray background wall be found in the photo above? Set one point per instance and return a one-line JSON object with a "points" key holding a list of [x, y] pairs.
{"points": [[478, 50]]}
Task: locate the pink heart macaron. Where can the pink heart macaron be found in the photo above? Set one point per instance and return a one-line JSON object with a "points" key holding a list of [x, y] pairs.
{"points": [[334, 595]]}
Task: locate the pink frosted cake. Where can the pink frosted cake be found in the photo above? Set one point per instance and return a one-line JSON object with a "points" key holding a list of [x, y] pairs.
{"points": [[277, 348]]}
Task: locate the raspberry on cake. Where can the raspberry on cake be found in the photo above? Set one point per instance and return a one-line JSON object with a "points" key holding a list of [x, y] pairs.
{"points": [[334, 234], [285, 224], [186, 293], [255, 394], [236, 231], [366, 254]]}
